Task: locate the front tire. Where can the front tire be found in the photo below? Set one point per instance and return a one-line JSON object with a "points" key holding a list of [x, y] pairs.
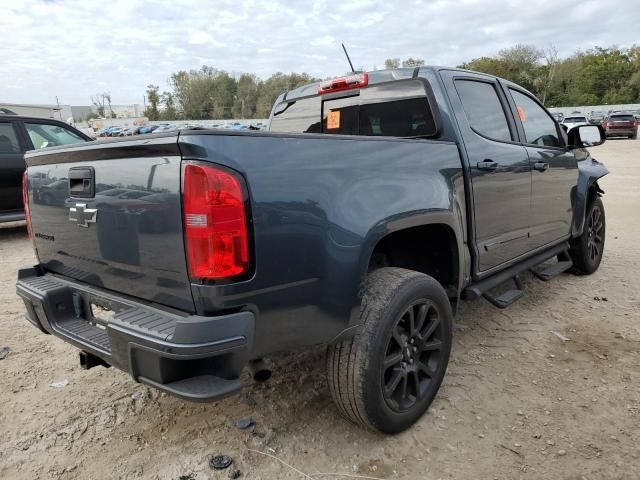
{"points": [[386, 377], [586, 251]]}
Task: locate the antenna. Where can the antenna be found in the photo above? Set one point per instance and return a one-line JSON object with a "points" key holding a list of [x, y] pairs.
{"points": [[348, 59]]}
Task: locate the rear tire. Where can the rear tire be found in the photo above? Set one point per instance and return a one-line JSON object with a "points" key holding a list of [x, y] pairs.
{"points": [[386, 377], [586, 251]]}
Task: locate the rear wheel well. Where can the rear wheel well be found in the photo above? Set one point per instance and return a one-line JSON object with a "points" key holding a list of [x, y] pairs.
{"points": [[430, 249]]}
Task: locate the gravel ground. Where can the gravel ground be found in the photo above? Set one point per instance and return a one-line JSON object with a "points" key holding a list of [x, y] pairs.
{"points": [[517, 401]]}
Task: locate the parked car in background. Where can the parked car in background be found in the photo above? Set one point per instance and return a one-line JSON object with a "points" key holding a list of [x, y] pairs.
{"points": [[148, 129], [596, 117], [163, 128], [17, 135], [127, 132], [103, 132], [111, 131], [621, 125], [114, 131], [574, 121], [558, 116]]}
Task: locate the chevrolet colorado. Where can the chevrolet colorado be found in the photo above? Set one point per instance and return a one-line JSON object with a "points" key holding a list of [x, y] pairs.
{"points": [[371, 207]]}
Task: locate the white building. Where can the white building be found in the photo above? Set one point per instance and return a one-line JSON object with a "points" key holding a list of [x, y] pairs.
{"points": [[40, 111]]}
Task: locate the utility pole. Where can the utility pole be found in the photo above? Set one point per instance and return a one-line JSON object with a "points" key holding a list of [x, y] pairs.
{"points": [[59, 109]]}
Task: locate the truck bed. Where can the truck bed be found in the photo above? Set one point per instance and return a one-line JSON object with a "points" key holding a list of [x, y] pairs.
{"points": [[318, 205]]}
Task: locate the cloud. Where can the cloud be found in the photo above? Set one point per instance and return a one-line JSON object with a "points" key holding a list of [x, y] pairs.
{"points": [[199, 38], [75, 49]]}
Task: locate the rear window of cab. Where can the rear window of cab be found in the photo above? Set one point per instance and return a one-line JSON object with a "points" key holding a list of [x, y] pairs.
{"points": [[393, 109]]}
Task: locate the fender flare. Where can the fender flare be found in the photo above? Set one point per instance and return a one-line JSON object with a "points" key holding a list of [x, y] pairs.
{"points": [[397, 223], [590, 171]]}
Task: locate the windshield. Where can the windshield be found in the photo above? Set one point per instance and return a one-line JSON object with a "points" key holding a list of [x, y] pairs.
{"points": [[575, 119], [622, 118]]}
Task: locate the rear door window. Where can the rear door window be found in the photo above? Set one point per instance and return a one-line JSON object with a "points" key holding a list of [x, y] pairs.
{"points": [[395, 109], [8, 138], [483, 109], [48, 135]]}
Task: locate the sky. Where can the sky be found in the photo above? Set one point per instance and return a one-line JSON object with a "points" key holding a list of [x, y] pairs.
{"points": [[75, 49]]}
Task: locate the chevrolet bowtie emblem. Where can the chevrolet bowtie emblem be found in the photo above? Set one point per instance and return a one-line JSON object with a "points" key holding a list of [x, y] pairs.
{"points": [[82, 215]]}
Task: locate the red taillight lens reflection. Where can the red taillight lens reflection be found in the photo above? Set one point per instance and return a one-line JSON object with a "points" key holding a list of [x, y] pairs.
{"points": [[25, 203], [215, 222]]}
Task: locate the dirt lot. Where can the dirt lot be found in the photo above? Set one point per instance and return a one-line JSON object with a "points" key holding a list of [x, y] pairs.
{"points": [[517, 402]]}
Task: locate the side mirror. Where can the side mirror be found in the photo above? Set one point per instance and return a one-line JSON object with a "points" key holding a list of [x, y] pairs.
{"points": [[586, 136]]}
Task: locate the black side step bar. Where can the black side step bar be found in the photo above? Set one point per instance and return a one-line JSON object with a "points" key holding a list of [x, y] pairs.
{"points": [[552, 271], [508, 297], [482, 287]]}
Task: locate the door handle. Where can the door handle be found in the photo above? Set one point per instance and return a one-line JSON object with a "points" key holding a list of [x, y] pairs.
{"points": [[487, 164], [541, 166]]}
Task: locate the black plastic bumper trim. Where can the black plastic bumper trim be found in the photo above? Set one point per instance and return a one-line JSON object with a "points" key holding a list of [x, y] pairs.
{"points": [[175, 353]]}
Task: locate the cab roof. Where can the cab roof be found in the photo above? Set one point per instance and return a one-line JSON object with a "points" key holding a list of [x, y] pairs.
{"points": [[380, 76]]}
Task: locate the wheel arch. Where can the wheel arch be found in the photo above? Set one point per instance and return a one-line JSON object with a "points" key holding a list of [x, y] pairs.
{"points": [[425, 225]]}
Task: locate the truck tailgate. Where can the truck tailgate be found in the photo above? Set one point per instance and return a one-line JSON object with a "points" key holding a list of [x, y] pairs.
{"points": [[109, 214]]}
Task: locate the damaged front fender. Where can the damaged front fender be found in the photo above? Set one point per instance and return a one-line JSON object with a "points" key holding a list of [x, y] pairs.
{"points": [[590, 171]]}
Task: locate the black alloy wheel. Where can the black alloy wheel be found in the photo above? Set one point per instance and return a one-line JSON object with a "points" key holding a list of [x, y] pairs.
{"points": [[412, 356], [595, 238]]}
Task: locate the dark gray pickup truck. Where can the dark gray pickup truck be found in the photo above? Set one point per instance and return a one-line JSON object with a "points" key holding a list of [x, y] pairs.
{"points": [[374, 204]]}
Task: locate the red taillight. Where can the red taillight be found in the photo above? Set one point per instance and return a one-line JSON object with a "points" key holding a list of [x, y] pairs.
{"points": [[25, 203], [215, 222], [604, 124], [358, 80]]}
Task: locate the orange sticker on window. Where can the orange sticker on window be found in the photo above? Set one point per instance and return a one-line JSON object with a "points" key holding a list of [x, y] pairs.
{"points": [[521, 114], [333, 120]]}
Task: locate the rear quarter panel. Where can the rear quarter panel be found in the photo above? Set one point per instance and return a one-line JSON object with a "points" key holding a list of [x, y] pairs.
{"points": [[319, 205]]}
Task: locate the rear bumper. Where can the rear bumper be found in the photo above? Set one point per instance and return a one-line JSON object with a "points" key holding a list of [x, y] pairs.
{"points": [[192, 357], [613, 132]]}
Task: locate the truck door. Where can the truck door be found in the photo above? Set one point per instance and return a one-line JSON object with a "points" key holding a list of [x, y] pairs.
{"points": [[499, 168], [554, 170]]}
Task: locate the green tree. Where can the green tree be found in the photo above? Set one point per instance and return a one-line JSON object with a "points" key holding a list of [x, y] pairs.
{"points": [[274, 86], [392, 63], [246, 99], [413, 62], [203, 94], [596, 76], [169, 111], [610, 75], [151, 112]]}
